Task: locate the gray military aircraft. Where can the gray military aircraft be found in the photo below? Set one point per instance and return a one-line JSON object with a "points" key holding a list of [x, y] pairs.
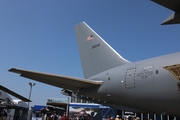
{"points": [[150, 85]]}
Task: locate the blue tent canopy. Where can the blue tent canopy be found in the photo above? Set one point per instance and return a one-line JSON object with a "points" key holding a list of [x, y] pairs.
{"points": [[38, 107]]}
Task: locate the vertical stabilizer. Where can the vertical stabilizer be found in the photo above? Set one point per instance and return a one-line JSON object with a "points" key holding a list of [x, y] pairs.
{"points": [[96, 55]]}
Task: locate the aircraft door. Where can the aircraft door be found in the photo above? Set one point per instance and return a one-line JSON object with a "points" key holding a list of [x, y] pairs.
{"points": [[130, 78]]}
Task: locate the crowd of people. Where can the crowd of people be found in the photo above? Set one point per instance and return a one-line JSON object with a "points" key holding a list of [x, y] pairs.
{"points": [[119, 118], [111, 118], [64, 117], [57, 117]]}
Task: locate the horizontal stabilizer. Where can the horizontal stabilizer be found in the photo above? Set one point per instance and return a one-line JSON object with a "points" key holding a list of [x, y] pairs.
{"points": [[14, 94], [65, 82]]}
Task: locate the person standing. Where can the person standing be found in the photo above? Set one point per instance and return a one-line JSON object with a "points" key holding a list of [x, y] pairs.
{"points": [[64, 117], [117, 117], [59, 117]]}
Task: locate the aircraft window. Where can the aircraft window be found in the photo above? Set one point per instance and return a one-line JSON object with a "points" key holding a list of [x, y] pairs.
{"points": [[157, 71]]}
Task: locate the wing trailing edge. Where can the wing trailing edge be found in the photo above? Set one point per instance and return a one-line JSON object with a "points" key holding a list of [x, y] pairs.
{"points": [[65, 82]]}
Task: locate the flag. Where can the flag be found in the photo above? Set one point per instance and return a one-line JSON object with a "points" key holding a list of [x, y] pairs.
{"points": [[89, 38]]}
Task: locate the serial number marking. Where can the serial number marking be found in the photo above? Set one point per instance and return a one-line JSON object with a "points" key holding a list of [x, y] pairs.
{"points": [[95, 46]]}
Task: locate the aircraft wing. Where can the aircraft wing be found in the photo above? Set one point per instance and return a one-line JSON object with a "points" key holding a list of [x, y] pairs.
{"points": [[65, 82], [14, 94], [172, 5]]}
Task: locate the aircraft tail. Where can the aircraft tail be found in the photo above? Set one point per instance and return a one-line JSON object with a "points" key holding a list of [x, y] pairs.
{"points": [[96, 55]]}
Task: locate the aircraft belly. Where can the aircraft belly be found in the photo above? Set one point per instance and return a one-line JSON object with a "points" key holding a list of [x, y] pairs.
{"points": [[168, 107]]}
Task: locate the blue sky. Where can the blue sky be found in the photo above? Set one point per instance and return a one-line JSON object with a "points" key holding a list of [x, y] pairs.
{"points": [[39, 35]]}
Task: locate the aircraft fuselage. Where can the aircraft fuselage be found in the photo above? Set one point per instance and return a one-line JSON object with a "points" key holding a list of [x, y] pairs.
{"points": [[143, 85]]}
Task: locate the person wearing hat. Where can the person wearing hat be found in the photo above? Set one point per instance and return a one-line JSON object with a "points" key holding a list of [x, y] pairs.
{"points": [[117, 117]]}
